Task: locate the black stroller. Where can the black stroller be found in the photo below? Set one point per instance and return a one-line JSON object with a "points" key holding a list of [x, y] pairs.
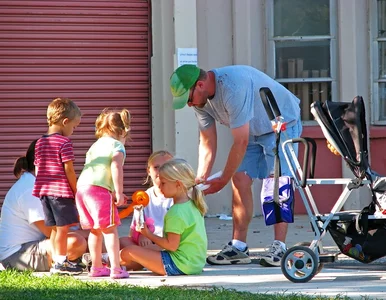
{"points": [[358, 234]]}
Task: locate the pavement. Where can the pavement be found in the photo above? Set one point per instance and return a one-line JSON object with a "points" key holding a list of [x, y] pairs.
{"points": [[345, 277]]}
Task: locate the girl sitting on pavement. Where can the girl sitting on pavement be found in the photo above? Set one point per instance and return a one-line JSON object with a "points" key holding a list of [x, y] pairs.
{"points": [[184, 242], [156, 209]]}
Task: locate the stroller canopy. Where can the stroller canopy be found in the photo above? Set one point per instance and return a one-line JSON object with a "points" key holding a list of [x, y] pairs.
{"points": [[344, 126]]}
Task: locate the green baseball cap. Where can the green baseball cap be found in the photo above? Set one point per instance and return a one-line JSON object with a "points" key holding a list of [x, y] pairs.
{"points": [[181, 81]]}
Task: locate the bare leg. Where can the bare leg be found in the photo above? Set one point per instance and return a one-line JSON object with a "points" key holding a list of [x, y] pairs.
{"points": [[49, 253], [52, 242], [242, 205], [85, 233], [112, 245], [132, 265], [125, 241], [76, 245], [149, 258], [61, 240], [95, 247], [281, 231]]}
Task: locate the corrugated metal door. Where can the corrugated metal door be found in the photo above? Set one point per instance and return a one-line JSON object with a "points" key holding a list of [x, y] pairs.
{"points": [[96, 53]]}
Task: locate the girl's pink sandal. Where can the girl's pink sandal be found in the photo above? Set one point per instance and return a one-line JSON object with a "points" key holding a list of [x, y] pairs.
{"points": [[99, 272], [118, 273]]}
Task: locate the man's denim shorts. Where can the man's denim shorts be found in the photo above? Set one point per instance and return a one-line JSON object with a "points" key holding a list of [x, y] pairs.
{"points": [[170, 268], [259, 158]]}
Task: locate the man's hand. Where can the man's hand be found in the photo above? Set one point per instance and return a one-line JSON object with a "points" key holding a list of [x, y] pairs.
{"points": [[215, 185], [199, 180], [235, 157]]}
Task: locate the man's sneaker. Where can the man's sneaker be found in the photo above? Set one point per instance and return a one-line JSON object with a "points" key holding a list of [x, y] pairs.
{"points": [[229, 255], [66, 268], [274, 255], [86, 260]]}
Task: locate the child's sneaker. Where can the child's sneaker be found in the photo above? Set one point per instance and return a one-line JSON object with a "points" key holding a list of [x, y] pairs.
{"points": [[66, 268], [274, 255], [79, 263], [99, 272], [118, 273], [230, 255]]}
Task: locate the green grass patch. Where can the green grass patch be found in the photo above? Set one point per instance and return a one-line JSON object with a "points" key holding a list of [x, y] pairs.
{"points": [[25, 285]]}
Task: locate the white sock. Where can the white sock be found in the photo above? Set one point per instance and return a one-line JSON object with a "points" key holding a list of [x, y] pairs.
{"points": [[60, 258], [281, 244], [239, 245]]}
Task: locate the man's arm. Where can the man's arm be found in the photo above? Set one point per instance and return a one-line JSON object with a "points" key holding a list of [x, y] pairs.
{"points": [[207, 151], [235, 157], [43, 228]]}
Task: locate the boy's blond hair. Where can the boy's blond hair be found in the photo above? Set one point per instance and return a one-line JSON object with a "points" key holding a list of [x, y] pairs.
{"points": [[178, 169], [113, 122], [60, 109]]}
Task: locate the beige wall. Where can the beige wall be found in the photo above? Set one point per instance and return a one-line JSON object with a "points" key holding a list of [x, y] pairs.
{"points": [[354, 70], [234, 38], [161, 67], [233, 32]]}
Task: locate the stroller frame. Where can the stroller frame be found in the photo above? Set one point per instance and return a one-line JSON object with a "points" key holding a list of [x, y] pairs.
{"points": [[303, 261]]}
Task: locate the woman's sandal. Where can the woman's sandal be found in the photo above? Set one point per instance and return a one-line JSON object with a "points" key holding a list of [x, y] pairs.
{"points": [[118, 273]]}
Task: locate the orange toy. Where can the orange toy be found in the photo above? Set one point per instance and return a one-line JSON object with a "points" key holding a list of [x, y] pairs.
{"points": [[139, 198]]}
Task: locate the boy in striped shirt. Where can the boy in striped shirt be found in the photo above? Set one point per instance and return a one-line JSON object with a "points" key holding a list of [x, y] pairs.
{"points": [[55, 183]]}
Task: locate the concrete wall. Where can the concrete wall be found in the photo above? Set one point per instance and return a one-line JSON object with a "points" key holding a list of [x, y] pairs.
{"points": [[162, 65], [354, 70], [229, 32]]}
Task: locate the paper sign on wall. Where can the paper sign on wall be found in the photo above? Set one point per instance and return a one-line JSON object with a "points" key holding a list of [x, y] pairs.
{"points": [[186, 56]]}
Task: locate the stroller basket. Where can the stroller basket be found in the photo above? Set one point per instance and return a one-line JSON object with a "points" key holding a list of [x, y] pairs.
{"points": [[358, 234], [364, 247]]}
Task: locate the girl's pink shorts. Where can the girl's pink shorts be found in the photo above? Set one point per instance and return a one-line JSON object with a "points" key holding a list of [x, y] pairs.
{"points": [[96, 208]]}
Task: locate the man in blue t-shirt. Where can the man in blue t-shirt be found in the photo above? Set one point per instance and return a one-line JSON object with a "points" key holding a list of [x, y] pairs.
{"points": [[230, 95]]}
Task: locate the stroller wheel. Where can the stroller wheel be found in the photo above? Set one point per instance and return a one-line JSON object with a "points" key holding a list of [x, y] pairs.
{"points": [[307, 244], [299, 264]]}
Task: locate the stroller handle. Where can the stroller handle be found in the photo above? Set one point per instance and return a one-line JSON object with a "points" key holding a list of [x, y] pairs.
{"points": [[269, 103], [306, 141]]}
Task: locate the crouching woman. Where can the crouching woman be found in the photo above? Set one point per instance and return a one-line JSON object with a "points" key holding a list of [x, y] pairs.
{"points": [[24, 237]]}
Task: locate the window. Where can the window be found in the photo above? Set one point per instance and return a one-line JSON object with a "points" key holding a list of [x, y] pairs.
{"points": [[301, 49], [378, 33]]}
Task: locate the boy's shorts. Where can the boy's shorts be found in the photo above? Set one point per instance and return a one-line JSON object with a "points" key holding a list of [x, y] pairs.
{"points": [[59, 211], [31, 256], [259, 158], [170, 267], [96, 207]]}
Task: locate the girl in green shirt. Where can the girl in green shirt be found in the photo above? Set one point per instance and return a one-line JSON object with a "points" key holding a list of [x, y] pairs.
{"points": [[184, 243]]}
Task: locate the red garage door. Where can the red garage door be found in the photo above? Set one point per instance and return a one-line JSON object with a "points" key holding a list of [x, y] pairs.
{"points": [[96, 53]]}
